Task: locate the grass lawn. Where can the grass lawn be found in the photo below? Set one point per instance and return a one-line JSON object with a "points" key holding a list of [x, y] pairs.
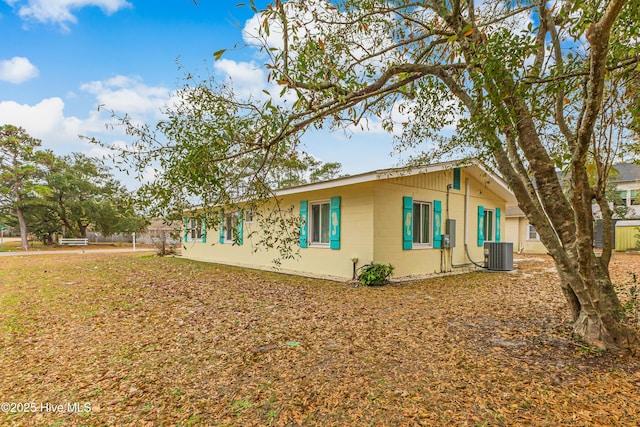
{"points": [[133, 339]]}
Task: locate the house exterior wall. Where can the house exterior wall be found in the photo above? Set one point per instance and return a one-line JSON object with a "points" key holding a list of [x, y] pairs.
{"points": [[388, 221], [371, 229], [512, 232], [518, 233], [356, 239]]}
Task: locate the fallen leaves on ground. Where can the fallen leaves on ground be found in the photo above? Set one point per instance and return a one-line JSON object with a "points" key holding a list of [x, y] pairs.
{"points": [[151, 341]]}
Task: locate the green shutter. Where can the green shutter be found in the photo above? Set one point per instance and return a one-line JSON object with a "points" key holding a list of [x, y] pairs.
{"points": [[221, 226], [304, 221], [240, 227], [480, 226], [456, 178], [334, 223], [497, 224], [437, 224], [186, 229], [204, 229], [407, 223]]}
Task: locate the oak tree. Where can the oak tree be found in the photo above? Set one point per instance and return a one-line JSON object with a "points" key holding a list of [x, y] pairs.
{"points": [[528, 85]]}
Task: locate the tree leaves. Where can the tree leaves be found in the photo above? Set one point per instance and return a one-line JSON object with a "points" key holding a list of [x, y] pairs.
{"points": [[218, 54]]}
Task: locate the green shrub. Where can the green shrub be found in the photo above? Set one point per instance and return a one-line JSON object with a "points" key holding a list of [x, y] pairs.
{"points": [[374, 274]]}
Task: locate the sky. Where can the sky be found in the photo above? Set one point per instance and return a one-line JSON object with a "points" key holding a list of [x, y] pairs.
{"points": [[61, 59]]}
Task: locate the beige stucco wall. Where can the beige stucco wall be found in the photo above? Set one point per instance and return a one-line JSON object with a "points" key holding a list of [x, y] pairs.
{"points": [[356, 239], [388, 196], [518, 233], [371, 229]]}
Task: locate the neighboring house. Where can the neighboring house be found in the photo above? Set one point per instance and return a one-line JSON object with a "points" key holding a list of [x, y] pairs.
{"points": [[396, 216], [524, 236], [159, 231], [626, 179]]}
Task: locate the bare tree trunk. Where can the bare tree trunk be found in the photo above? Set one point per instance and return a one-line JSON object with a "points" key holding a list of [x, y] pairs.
{"points": [[24, 242], [599, 312]]}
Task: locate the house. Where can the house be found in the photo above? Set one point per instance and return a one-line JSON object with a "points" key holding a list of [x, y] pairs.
{"points": [[422, 220], [625, 178], [524, 236]]}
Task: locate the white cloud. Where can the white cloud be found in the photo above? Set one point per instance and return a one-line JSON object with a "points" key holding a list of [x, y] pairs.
{"points": [[17, 70], [61, 11], [129, 95], [248, 78], [47, 122]]}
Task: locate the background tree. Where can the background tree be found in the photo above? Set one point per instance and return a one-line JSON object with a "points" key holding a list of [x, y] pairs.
{"points": [[302, 168], [83, 194], [524, 82], [18, 174]]}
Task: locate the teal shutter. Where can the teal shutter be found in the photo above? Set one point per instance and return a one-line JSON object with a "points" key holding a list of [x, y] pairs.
{"points": [[456, 178], [334, 223], [407, 223], [204, 229], [222, 227], [186, 229], [304, 221], [497, 224], [437, 224], [480, 226], [240, 228]]}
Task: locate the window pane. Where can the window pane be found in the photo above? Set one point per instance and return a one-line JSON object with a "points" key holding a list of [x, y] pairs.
{"points": [[315, 223], [421, 223], [621, 199], [488, 225], [532, 233], [417, 215], [229, 226], [425, 223], [324, 222]]}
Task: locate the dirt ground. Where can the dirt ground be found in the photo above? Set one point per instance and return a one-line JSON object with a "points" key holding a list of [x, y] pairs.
{"points": [[133, 339]]}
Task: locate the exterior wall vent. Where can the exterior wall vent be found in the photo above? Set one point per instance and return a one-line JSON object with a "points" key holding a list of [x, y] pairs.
{"points": [[498, 256]]}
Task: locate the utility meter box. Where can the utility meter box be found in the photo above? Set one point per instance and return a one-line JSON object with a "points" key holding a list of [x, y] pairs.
{"points": [[449, 238]]}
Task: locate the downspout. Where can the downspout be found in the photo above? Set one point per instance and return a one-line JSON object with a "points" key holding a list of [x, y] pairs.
{"points": [[467, 187]]}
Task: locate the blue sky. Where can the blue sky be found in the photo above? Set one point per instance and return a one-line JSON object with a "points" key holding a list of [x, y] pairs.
{"points": [[60, 59]]}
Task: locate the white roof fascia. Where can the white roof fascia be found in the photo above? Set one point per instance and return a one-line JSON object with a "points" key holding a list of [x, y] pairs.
{"points": [[473, 166], [367, 177]]}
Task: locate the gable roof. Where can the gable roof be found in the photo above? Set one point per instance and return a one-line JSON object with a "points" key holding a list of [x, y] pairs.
{"points": [[473, 167], [626, 172]]}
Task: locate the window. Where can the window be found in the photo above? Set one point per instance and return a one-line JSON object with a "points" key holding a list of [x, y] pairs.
{"points": [[193, 231], [532, 234], [248, 215], [422, 223], [634, 197], [230, 224], [489, 225], [231, 228], [319, 222], [620, 198]]}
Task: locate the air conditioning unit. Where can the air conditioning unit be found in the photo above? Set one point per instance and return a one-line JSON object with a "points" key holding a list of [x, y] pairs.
{"points": [[498, 256]]}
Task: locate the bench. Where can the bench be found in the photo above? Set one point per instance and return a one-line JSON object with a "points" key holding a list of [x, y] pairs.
{"points": [[74, 241]]}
